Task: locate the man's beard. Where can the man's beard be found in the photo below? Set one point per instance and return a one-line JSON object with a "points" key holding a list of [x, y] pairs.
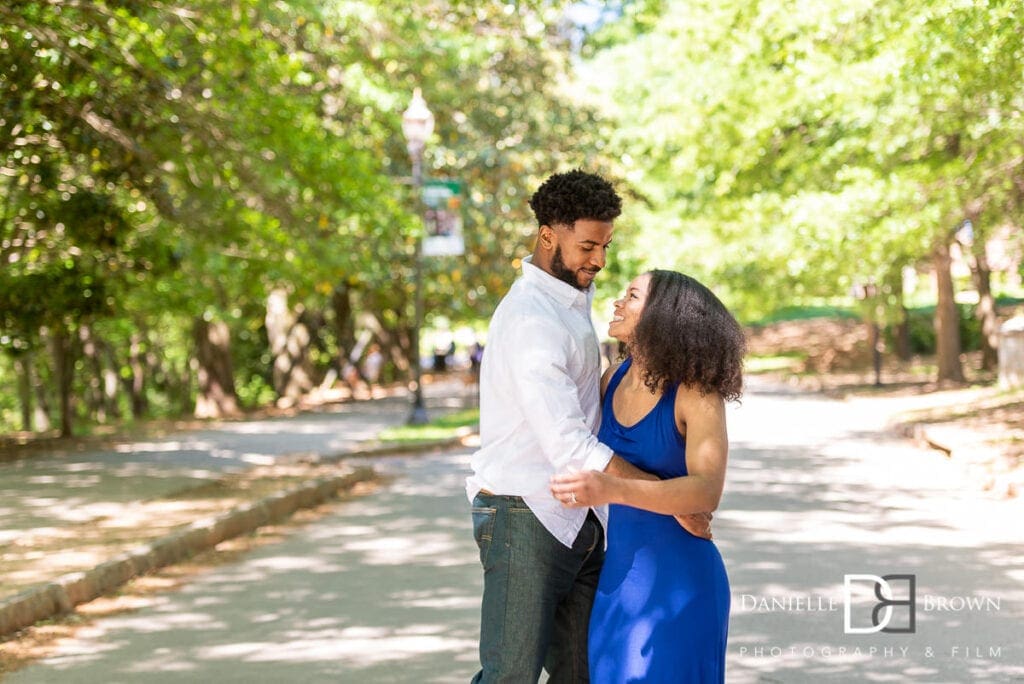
{"points": [[559, 270]]}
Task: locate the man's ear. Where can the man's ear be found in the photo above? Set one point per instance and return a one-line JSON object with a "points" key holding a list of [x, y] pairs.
{"points": [[546, 237]]}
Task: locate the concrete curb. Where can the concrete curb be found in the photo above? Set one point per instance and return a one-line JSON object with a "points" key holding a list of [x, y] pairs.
{"points": [[920, 434], [64, 593], [948, 441], [386, 450], [986, 464], [67, 591]]}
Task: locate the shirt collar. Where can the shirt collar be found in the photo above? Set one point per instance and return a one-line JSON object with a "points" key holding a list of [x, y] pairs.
{"points": [[560, 291]]}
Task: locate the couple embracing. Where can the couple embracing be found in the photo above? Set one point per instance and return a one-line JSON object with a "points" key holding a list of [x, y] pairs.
{"points": [[634, 590]]}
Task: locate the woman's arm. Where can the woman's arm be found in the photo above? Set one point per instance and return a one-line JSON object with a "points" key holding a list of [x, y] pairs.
{"points": [[607, 377], [707, 446]]}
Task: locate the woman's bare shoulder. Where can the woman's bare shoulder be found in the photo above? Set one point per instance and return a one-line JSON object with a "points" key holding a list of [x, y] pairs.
{"points": [[692, 404], [607, 377]]}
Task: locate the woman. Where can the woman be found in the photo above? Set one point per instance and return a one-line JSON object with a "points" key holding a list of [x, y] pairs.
{"points": [[661, 613]]}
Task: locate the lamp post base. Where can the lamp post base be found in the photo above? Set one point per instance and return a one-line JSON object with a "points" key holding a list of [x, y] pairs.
{"points": [[418, 415]]}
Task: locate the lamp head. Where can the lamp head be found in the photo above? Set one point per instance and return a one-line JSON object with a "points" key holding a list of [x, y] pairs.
{"points": [[417, 123]]}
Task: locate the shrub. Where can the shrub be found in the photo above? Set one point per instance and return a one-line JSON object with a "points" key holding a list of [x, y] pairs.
{"points": [[921, 322]]}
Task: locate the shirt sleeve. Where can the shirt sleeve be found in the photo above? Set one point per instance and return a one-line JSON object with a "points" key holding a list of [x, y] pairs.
{"points": [[549, 399]]}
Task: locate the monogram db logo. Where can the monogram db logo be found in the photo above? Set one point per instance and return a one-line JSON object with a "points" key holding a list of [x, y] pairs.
{"points": [[872, 604]]}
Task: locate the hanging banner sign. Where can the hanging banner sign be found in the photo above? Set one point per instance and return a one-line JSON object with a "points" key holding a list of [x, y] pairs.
{"points": [[443, 218]]}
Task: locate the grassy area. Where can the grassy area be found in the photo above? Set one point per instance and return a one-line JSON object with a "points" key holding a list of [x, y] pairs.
{"points": [[803, 313], [773, 363], [446, 427]]}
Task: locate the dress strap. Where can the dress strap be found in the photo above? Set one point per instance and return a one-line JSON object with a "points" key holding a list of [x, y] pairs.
{"points": [[617, 377]]}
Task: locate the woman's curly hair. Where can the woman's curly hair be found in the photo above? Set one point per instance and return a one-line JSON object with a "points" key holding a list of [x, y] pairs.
{"points": [[685, 335], [565, 198]]}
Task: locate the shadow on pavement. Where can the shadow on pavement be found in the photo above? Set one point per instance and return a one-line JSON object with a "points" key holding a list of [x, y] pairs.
{"points": [[386, 589]]}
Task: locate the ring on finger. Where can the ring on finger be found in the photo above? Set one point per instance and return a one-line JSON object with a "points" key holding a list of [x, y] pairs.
{"points": [[572, 497]]}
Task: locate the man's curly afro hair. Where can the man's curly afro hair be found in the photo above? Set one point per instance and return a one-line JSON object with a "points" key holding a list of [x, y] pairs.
{"points": [[565, 198]]}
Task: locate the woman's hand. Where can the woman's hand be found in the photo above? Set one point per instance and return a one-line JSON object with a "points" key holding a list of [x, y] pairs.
{"points": [[583, 489], [697, 524]]}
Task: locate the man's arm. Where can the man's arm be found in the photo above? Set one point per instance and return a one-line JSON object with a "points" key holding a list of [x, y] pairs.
{"points": [[546, 394]]}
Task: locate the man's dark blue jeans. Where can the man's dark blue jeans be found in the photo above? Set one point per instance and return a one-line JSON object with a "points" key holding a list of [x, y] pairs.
{"points": [[537, 594]]}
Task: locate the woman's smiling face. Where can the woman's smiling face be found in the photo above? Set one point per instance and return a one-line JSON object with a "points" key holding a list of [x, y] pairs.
{"points": [[628, 309]]}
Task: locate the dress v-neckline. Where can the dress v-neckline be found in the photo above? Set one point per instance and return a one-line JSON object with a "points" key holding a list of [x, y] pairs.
{"points": [[642, 418]]}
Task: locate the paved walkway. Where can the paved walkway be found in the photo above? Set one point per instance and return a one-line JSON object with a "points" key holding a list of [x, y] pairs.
{"points": [[386, 588], [68, 512], [818, 490]]}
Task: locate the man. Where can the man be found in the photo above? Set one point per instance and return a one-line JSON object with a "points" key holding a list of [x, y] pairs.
{"points": [[539, 410]]}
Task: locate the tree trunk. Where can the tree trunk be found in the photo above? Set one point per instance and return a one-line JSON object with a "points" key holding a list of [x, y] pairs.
{"points": [[63, 364], [986, 309], [110, 386], [179, 385], [902, 335], [876, 351], [289, 348], [94, 394], [947, 318], [392, 344], [344, 327], [901, 328], [215, 396], [41, 415], [132, 382], [137, 383], [23, 369]]}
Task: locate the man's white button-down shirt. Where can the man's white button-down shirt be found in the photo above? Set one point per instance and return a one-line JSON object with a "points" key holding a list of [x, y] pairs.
{"points": [[540, 398]]}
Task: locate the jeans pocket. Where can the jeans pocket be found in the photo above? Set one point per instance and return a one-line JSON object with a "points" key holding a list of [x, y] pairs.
{"points": [[483, 530]]}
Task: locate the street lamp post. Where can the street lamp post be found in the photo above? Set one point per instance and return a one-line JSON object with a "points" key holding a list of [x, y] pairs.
{"points": [[417, 125], [867, 292]]}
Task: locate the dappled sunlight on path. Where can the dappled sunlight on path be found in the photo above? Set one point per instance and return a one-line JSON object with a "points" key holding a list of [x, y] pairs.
{"points": [[816, 491], [68, 511], [384, 589]]}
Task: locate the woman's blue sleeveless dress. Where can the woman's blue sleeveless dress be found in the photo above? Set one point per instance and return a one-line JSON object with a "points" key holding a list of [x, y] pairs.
{"points": [[661, 613]]}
